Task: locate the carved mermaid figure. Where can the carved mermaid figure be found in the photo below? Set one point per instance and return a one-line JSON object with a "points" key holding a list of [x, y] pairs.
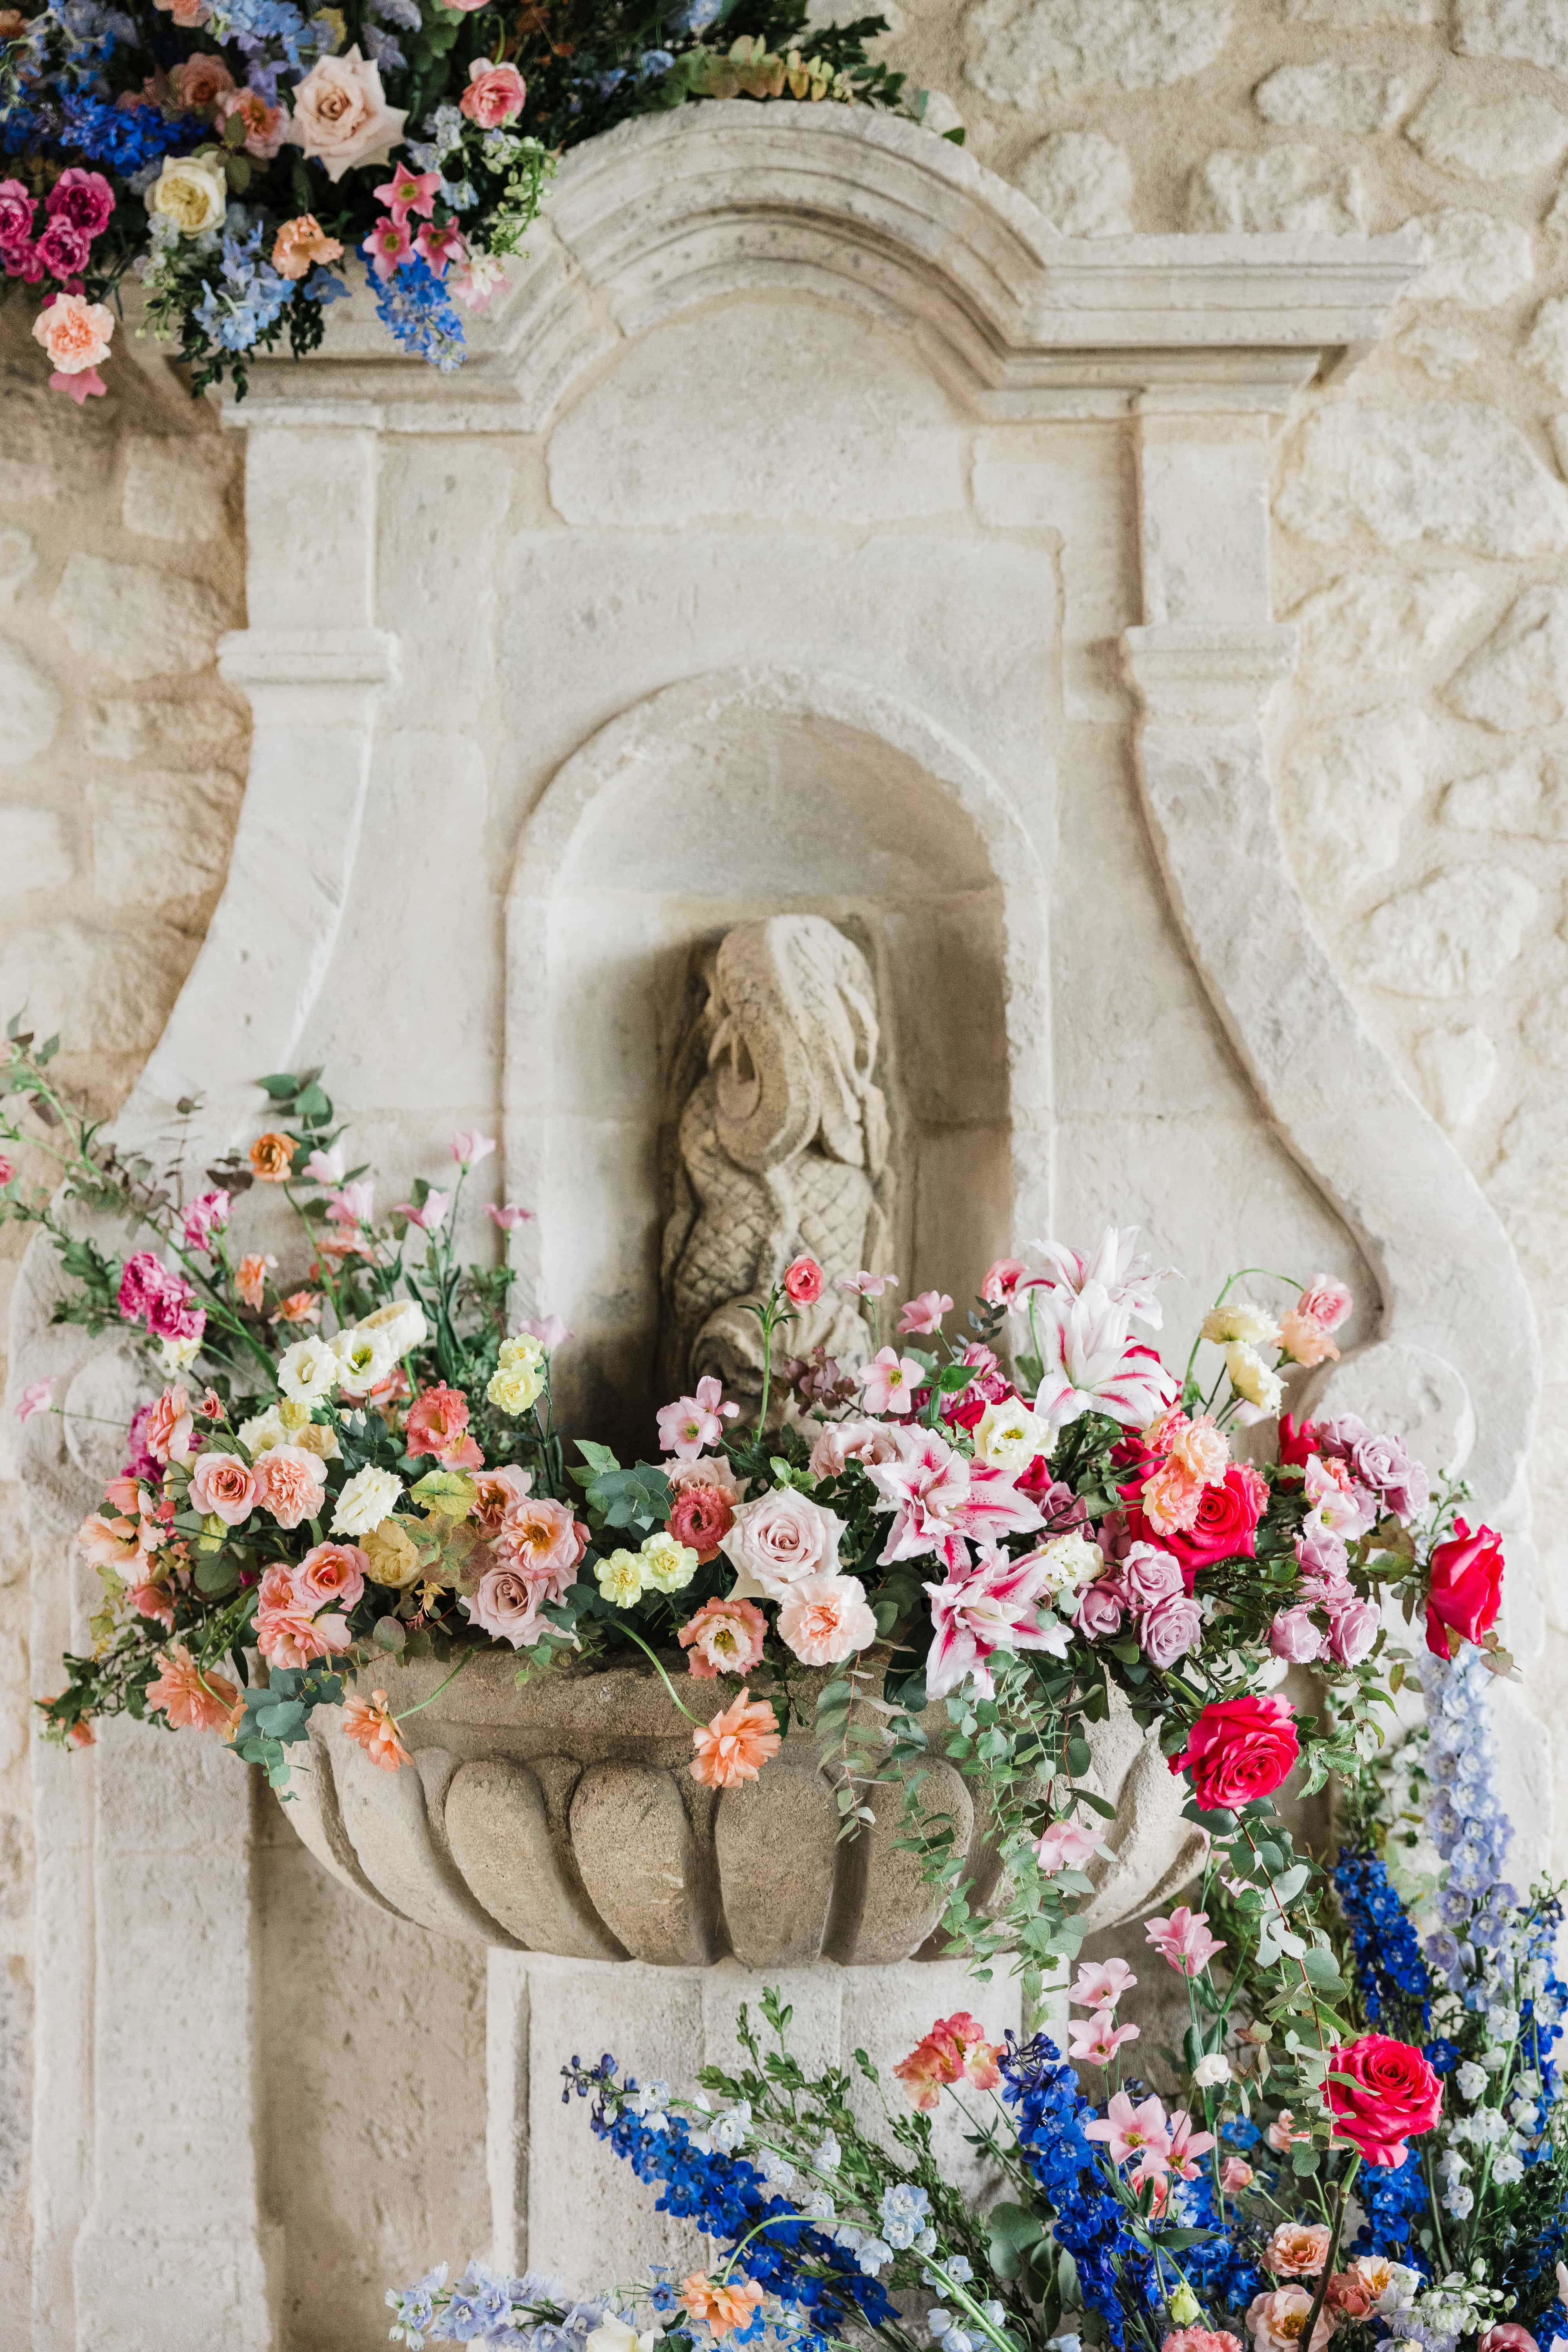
{"points": [[780, 1145]]}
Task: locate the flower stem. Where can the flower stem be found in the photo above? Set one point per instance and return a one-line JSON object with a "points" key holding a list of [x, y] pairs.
{"points": [[1332, 2256], [421, 1704]]}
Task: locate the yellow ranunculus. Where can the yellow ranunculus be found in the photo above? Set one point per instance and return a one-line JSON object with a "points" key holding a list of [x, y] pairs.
{"points": [[621, 1578], [192, 192], [668, 1564], [515, 1387]]}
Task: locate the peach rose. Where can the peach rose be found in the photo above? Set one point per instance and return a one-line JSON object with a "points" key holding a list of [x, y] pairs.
{"points": [[170, 1427], [332, 1572], [301, 244], [1170, 1498], [495, 1492], [74, 334], [540, 1539], [191, 1697], [199, 80], [187, 12], [342, 117], [707, 1470], [288, 1633], [494, 95], [823, 1618], [222, 1485], [273, 1157], [781, 1537], [865, 1441], [1297, 2250], [505, 1604], [290, 1482], [264, 124]]}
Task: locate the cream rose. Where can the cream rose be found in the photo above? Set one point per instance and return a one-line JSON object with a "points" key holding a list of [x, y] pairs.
{"points": [[778, 1539], [394, 1556], [400, 1323], [364, 1359], [1251, 1378], [341, 114], [370, 1497], [191, 190]]}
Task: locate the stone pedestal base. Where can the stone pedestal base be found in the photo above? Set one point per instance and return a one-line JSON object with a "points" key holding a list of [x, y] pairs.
{"points": [[561, 2200]]}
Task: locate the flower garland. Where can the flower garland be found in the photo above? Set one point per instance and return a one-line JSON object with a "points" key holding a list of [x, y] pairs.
{"points": [[242, 158]]}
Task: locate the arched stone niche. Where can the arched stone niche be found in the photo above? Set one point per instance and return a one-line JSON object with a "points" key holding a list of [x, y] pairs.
{"points": [[719, 802]]}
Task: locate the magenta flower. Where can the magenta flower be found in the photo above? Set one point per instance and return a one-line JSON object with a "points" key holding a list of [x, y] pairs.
{"points": [[940, 1500], [996, 1606], [1185, 1940], [388, 245], [63, 249], [204, 1217], [37, 1397], [83, 198], [925, 1313]]}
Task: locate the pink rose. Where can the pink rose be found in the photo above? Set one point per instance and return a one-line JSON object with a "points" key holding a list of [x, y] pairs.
{"points": [[1327, 1300], [84, 198], [341, 115], [494, 95], [200, 80], [1294, 1637], [1000, 1286], [725, 1637], [505, 1602], [1465, 1592], [802, 1276], [1239, 1748], [1149, 1575], [1352, 1630], [1508, 2336], [779, 1539], [332, 1572], [496, 1491], [169, 1427], [287, 1632], [222, 1485], [290, 1482], [842, 1442], [1099, 1613], [1169, 1629], [64, 250], [265, 126], [1389, 2092], [541, 1540], [74, 333], [823, 1618]]}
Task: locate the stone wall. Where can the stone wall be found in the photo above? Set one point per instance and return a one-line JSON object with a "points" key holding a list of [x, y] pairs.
{"points": [[1423, 768]]}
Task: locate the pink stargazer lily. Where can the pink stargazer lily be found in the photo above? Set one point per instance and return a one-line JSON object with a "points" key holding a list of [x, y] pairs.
{"points": [[888, 1383], [1187, 2145], [1098, 2038], [939, 1500], [1128, 1280], [409, 192], [1102, 1983], [692, 1424], [1185, 1940], [996, 1606], [1128, 2130], [1093, 1365]]}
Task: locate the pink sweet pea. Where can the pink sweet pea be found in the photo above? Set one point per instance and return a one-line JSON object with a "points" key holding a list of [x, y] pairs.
{"points": [[867, 1286], [1128, 2130], [1185, 1940], [1090, 1365], [388, 245], [36, 1398], [1102, 1983], [925, 1314], [888, 1383], [469, 1145], [326, 1167], [548, 1329], [430, 1215], [688, 1427], [409, 192], [508, 1219], [1066, 1845], [996, 1606], [1098, 2038]]}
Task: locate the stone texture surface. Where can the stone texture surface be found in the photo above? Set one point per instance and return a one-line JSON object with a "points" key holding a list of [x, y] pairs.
{"points": [[1022, 50], [1453, 936], [1519, 677], [29, 706], [1547, 348], [1288, 187], [1333, 98], [1441, 351], [134, 620], [1524, 799], [35, 851], [1484, 137], [175, 488], [1353, 785], [1457, 472], [1081, 181], [1473, 258], [1458, 1069], [1393, 625], [1533, 29]]}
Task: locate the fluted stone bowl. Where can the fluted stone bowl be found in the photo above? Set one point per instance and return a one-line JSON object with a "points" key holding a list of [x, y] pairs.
{"points": [[562, 1818]]}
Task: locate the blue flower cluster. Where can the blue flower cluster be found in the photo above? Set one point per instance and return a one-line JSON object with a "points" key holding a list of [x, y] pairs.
{"points": [[1388, 1961], [1089, 2222], [413, 307], [249, 296], [485, 2307], [1222, 2269], [727, 2195], [1464, 1820], [269, 35], [1393, 2201]]}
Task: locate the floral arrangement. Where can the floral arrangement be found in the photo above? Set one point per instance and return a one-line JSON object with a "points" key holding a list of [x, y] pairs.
{"points": [[247, 160], [353, 1460], [1417, 2202]]}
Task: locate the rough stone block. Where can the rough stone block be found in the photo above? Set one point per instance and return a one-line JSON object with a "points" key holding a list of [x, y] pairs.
{"points": [[200, 729], [1543, 1025], [1441, 350], [1536, 30], [1351, 15], [1481, 138], [1472, 257], [1452, 936], [1458, 1068], [1333, 98], [1546, 349], [175, 488], [18, 560], [29, 706], [1289, 187], [774, 1843], [111, 987], [49, 448], [634, 1846], [1523, 799], [1081, 181], [1457, 472], [1021, 51], [35, 851], [1354, 785], [134, 619], [159, 836], [1383, 624], [1519, 677]]}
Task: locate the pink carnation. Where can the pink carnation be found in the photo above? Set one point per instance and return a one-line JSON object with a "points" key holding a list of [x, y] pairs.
{"points": [[494, 95], [725, 1637], [290, 1482], [83, 198], [823, 1619]]}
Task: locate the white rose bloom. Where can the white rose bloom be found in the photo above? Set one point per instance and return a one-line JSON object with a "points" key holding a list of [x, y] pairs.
{"points": [[1251, 1378], [308, 1371], [613, 2335], [263, 1429], [180, 1354], [365, 1356], [370, 1497], [1212, 2070], [1240, 1320], [1008, 1436], [1070, 1561], [401, 1322]]}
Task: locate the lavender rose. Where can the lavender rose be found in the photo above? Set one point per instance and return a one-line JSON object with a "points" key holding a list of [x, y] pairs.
{"points": [[1098, 1611], [1172, 1628], [1150, 1575], [1294, 1637], [1384, 1464]]}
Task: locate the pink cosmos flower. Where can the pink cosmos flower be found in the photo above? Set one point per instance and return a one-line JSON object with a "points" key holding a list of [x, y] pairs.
{"points": [[888, 1383], [1128, 2130], [825, 1618], [694, 1422], [469, 1145], [925, 1313], [994, 1606], [37, 1397], [1066, 1845], [1185, 1940], [1102, 1983], [414, 191], [548, 1329], [1090, 1365], [388, 245], [508, 1219], [326, 1167], [867, 1286], [1098, 2038], [430, 1216]]}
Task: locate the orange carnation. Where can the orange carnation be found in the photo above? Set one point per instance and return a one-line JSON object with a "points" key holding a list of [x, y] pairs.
{"points": [[734, 1746], [368, 1723], [190, 1696], [721, 2305], [273, 1157]]}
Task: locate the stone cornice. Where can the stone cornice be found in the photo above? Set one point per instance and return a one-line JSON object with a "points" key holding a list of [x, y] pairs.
{"points": [[674, 210]]}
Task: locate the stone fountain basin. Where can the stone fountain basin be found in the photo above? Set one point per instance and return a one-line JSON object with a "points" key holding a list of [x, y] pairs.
{"points": [[560, 1817]]}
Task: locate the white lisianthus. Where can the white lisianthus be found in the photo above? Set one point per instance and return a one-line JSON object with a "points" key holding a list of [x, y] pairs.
{"points": [[308, 1371], [370, 1497], [613, 2335], [1212, 2070], [1251, 1378], [400, 1324], [179, 1355], [1008, 1436], [365, 1356], [1070, 1561], [263, 1429], [1254, 1326]]}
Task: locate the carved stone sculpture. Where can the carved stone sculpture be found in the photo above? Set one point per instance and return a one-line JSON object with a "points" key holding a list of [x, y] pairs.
{"points": [[780, 1145]]}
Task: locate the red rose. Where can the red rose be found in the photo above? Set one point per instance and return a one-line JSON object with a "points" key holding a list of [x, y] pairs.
{"points": [[803, 1282], [1239, 1748], [1296, 1440], [1226, 1526], [701, 1516], [1391, 2091], [1465, 1589]]}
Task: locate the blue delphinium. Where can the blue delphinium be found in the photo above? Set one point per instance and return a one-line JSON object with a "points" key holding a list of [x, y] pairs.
{"points": [[413, 307], [246, 295], [1388, 1958], [1051, 2111]]}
